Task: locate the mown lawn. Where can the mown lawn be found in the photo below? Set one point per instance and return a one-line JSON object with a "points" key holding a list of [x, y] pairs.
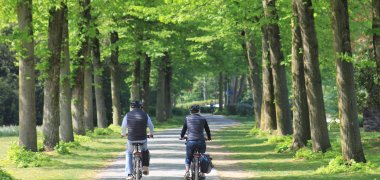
{"points": [[259, 157], [83, 162]]}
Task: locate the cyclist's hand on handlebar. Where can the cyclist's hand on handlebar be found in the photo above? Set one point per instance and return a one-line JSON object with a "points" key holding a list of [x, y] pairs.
{"points": [[150, 135], [123, 135]]}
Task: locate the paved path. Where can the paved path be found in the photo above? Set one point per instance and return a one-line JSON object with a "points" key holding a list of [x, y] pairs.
{"points": [[167, 155]]}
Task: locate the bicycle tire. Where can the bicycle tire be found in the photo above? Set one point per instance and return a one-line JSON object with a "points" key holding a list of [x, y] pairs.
{"points": [[196, 169]]}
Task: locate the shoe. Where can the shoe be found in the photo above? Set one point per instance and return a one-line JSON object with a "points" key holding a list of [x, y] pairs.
{"points": [[130, 177], [187, 175], [145, 170], [202, 176]]}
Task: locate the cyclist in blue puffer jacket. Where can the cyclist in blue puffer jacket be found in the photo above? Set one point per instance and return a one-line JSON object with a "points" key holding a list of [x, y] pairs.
{"points": [[194, 125]]}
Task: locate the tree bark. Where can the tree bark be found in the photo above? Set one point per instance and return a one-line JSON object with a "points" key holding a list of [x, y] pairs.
{"points": [[66, 123], [27, 102], [51, 85], [284, 122], [268, 111], [168, 82], [161, 113], [135, 91], [349, 129], [78, 91], [88, 95], [254, 78], [115, 81], [317, 114], [98, 81], [301, 125], [146, 80], [221, 91], [88, 115], [371, 113]]}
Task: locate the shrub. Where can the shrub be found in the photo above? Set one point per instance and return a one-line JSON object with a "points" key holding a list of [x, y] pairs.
{"points": [[308, 154], [62, 148], [9, 131], [283, 143], [258, 132], [5, 176], [24, 158], [231, 110], [102, 131], [115, 128], [338, 165], [243, 109], [180, 111], [80, 138]]}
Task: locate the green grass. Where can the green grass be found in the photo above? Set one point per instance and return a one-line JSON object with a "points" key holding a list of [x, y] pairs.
{"points": [[8, 131], [83, 162], [258, 156]]}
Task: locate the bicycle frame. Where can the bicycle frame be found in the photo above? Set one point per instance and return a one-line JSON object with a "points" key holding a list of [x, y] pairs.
{"points": [[195, 168]]}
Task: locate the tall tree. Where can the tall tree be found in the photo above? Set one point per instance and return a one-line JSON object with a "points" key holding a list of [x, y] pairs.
{"points": [[254, 77], [168, 83], [135, 91], [371, 112], [161, 110], [301, 122], [284, 123], [115, 79], [51, 85], [98, 72], [268, 112], [88, 114], [349, 129], [220, 85], [146, 80], [317, 114], [66, 124], [27, 105]]}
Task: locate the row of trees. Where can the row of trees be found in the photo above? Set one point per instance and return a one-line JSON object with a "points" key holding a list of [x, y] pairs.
{"points": [[169, 44]]}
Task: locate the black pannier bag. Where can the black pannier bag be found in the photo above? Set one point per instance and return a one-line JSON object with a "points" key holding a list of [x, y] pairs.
{"points": [[145, 158], [205, 163]]}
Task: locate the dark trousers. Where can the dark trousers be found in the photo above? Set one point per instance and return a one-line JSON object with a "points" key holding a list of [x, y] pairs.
{"points": [[190, 148]]}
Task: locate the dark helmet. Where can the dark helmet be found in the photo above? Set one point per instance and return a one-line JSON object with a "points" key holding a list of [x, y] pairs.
{"points": [[195, 108], [136, 104]]}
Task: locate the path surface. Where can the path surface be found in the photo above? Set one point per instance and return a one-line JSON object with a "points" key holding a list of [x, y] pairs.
{"points": [[167, 155]]}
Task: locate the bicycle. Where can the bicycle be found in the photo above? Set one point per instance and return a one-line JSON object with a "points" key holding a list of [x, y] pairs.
{"points": [[137, 168], [195, 168]]}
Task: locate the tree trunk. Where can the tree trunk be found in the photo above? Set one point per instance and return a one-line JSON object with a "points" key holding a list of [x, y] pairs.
{"points": [[161, 113], [51, 85], [301, 125], [221, 91], [313, 82], [115, 82], [348, 115], [168, 82], [27, 102], [66, 123], [98, 81], [268, 111], [235, 83], [146, 80], [371, 113], [135, 91], [88, 94], [254, 78], [284, 122]]}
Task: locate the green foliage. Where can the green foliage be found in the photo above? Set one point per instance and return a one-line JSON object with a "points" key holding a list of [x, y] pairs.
{"points": [[103, 131], [283, 143], [64, 148], [115, 128], [82, 139], [5, 175], [9, 131], [258, 132], [23, 158], [308, 154], [177, 111], [338, 165]]}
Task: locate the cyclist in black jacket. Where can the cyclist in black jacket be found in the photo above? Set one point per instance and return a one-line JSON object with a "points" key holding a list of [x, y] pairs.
{"points": [[194, 125]]}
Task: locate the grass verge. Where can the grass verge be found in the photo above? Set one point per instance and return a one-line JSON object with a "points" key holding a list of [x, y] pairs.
{"points": [[257, 155]]}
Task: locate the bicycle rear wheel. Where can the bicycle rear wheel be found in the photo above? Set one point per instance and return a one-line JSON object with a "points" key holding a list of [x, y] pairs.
{"points": [[196, 169]]}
